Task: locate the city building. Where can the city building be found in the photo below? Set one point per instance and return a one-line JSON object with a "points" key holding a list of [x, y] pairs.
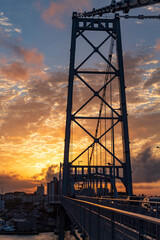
{"points": [[52, 190], [24, 197], [1, 202], [40, 190]]}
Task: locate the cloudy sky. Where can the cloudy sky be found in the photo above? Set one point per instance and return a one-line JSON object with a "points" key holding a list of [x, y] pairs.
{"points": [[34, 49]]}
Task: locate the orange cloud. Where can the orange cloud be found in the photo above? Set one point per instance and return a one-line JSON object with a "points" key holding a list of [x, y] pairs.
{"points": [[30, 56], [55, 13], [15, 71], [26, 61], [157, 47]]}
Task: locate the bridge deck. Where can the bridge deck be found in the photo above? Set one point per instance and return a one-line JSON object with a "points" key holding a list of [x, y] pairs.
{"points": [[143, 207], [100, 222]]}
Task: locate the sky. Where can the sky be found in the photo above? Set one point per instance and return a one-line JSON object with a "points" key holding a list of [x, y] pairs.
{"points": [[34, 59]]}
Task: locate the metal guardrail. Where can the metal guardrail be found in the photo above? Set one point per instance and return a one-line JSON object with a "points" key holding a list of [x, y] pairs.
{"points": [[149, 208], [100, 222]]}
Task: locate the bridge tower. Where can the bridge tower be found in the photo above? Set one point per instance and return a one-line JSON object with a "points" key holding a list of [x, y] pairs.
{"points": [[105, 160]]}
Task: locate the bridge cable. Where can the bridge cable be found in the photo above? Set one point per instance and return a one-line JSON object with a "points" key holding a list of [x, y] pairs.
{"points": [[103, 96]]}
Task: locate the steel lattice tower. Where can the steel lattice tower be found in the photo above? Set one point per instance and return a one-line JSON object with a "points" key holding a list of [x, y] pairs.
{"points": [[111, 171]]}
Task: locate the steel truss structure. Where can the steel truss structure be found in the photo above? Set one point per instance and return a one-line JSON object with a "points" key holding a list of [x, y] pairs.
{"points": [[122, 5], [90, 172]]}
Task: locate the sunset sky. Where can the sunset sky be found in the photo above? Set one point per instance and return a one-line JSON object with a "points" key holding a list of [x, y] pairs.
{"points": [[34, 50]]}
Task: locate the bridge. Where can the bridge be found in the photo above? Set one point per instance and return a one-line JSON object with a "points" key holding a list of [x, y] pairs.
{"points": [[97, 221], [95, 169]]}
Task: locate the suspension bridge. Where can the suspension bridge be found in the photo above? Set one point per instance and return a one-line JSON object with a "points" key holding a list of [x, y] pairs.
{"points": [[96, 168]]}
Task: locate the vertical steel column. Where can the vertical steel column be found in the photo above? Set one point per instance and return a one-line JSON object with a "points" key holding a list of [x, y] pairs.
{"points": [[65, 187], [125, 135]]}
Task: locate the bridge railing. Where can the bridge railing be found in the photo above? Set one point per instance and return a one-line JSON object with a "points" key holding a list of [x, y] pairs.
{"points": [[102, 222], [144, 207]]}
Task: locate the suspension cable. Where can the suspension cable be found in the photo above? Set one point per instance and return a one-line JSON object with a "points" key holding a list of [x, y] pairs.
{"points": [[104, 93], [106, 77]]}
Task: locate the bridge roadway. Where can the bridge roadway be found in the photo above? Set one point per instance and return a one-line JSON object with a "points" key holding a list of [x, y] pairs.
{"points": [[97, 220], [143, 207]]}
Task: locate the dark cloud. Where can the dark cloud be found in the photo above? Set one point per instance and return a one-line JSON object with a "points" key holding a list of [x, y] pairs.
{"points": [[44, 98], [146, 166], [23, 117], [12, 182], [133, 97], [143, 126], [51, 173], [133, 68], [15, 71], [157, 91], [30, 56], [53, 88], [48, 173], [154, 79]]}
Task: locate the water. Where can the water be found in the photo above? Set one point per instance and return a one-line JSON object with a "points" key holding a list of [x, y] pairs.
{"points": [[41, 236]]}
